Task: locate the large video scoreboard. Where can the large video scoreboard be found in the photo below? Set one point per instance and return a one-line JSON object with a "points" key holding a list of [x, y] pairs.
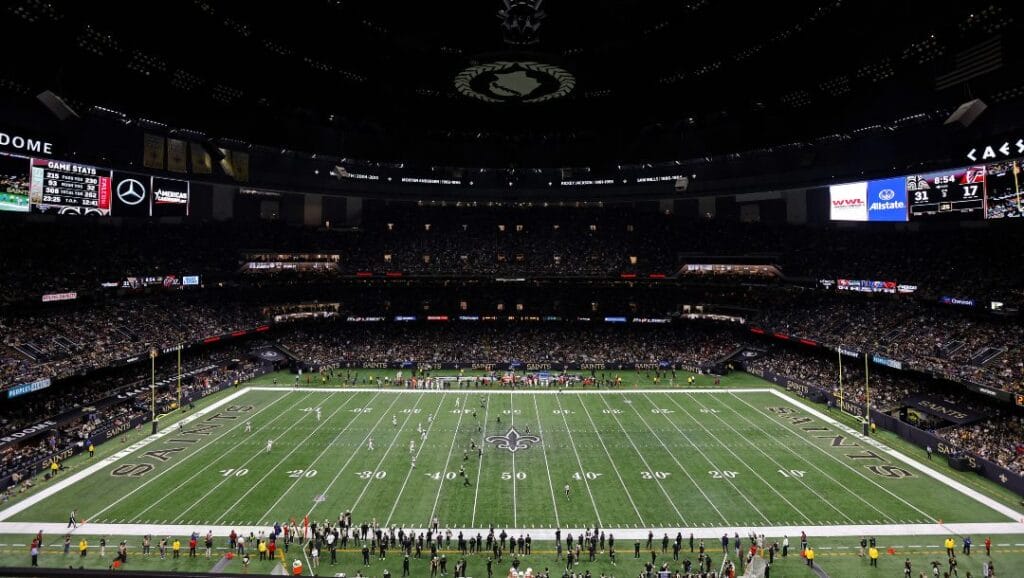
{"points": [[959, 192], [68, 188], [966, 193]]}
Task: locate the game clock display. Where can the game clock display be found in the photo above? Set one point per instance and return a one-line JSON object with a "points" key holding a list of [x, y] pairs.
{"points": [[958, 192]]}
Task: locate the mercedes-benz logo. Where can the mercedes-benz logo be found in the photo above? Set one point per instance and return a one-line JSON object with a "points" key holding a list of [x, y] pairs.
{"points": [[131, 192]]}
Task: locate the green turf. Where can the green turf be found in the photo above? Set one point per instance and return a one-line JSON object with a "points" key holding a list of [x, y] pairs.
{"points": [[633, 460]]}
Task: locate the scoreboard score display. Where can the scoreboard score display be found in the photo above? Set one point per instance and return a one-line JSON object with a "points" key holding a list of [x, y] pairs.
{"points": [[67, 188], [959, 192]]}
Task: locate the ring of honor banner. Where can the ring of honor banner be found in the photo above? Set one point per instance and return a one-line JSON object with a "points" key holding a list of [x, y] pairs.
{"points": [[202, 164], [176, 155], [153, 151]]}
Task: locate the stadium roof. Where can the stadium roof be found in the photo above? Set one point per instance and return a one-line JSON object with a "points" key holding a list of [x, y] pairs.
{"points": [[523, 83]]}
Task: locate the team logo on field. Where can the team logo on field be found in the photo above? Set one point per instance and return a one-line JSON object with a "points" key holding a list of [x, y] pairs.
{"points": [[513, 441]]}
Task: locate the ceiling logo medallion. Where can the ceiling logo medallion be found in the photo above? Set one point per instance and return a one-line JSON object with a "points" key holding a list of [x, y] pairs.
{"points": [[512, 81]]}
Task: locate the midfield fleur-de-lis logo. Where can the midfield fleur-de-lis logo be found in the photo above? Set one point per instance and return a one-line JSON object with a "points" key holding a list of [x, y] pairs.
{"points": [[513, 441]]}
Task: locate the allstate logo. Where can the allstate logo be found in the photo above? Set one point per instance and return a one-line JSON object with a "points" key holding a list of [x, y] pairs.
{"points": [[887, 194]]}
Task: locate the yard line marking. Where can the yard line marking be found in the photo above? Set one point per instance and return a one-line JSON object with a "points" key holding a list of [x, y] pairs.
{"points": [[321, 454], [480, 465], [643, 459], [440, 484], [583, 471], [709, 461], [388, 451], [745, 464], [355, 453], [774, 461], [418, 450], [963, 489], [512, 420], [543, 443], [614, 467], [521, 391], [683, 469], [259, 452], [834, 458], [195, 453]]}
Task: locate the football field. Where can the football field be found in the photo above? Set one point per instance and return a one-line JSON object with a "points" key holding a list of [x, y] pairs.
{"points": [[534, 460]]}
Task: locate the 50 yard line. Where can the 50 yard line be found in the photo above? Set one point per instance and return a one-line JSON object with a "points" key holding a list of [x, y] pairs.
{"points": [[512, 414]]}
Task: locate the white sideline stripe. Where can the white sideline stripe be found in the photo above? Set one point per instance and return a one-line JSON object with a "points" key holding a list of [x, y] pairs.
{"points": [[109, 460], [814, 532], [973, 494], [520, 391]]}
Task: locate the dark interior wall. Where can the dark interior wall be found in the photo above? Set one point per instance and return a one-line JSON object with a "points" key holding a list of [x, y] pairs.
{"points": [[688, 208], [727, 209], [334, 208], [200, 201], [773, 211], [817, 206], [293, 209]]}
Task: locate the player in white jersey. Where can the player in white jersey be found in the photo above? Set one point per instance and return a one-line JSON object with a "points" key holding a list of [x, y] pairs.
{"points": [[430, 418], [270, 445], [394, 420], [248, 427], [412, 446], [318, 414], [369, 444]]}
